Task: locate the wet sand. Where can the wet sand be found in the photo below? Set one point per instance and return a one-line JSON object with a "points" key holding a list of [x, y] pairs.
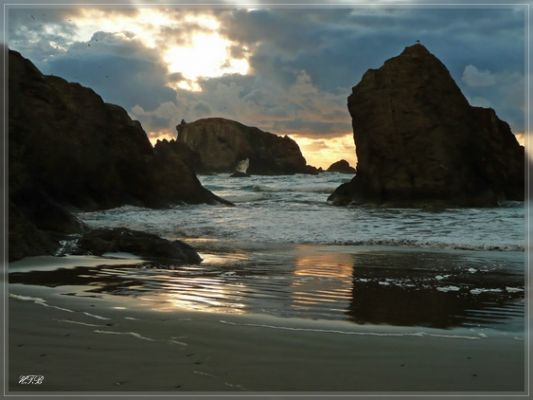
{"points": [[98, 344]]}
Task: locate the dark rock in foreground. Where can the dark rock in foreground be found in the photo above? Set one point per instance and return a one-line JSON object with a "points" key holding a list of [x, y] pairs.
{"points": [[222, 144], [25, 239], [101, 241], [82, 152], [68, 149], [341, 166], [419, 142]]}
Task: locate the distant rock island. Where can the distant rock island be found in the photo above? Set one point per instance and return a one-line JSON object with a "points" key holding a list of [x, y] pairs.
{"points": [[341, 166], [69, 149], [419, 141], [221, 144]]}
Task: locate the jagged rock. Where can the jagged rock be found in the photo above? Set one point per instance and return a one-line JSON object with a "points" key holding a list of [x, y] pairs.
{"points": [[182, 151], [341, 166], [70, 148], [418, 141], [100, 241], [222, 144], [81, 151], [309, 169]]}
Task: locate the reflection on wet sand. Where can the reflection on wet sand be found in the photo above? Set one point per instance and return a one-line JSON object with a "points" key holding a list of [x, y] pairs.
{"points": [[434, 290], [442, 290], [321, 278]]}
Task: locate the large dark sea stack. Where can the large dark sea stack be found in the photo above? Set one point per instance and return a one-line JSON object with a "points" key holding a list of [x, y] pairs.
{"points": [[69, 149], [222, 144], [419, 142]]}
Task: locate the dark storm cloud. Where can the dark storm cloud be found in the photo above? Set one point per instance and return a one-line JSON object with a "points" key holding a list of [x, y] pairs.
{"points": [[335, 47], [122, 72], [340, 44]]}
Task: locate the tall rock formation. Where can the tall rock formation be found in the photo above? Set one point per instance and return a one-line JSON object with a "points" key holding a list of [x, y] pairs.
{"points": [[221, 144], [418, 141], [67, 148]]}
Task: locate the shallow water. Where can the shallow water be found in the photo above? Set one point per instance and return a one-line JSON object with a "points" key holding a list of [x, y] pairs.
{"points": [[284, 252], [366, 286]]}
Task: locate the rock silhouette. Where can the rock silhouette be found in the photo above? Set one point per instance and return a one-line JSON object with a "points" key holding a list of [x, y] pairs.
{"points": [[341, 166], [70, 149], [101, 241], [419, 141]]}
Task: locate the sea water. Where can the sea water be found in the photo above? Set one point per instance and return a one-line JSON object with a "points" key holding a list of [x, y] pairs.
{"points": [[284, 251], [293, 209]]}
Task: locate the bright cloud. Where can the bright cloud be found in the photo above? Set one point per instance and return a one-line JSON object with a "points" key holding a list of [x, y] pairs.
{"points": [[299, 107], [206, 55], [190, 44]]}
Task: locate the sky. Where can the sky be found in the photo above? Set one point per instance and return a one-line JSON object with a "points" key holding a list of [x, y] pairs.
{"points": [[286, 70]]}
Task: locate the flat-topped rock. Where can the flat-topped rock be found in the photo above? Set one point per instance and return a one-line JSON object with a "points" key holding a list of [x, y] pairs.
{"points": [[222, 144]]}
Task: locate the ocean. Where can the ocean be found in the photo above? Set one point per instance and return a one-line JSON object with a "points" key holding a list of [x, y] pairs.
{"points": [[284, 251]]}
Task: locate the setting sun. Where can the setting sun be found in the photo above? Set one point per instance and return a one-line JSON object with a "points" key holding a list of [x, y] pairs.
{"points": [[195, 53], [205, 56]]}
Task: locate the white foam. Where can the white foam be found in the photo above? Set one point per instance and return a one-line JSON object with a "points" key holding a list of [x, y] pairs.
{"points": [[96, 316], [482, 290], [234, 385], [134, 334], [448, 289], [385, 334], [203, 373], [296, 188], [37, 300], [173, 341], [69, 321], [513, 289], [66, 247]]}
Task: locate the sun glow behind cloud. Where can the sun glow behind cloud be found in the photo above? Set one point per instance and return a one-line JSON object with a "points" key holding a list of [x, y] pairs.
{"points": [[190, 44], [205, 56]]}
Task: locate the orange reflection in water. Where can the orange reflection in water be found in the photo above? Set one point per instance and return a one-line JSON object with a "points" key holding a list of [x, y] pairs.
{"points": [[321, 276], [313, 261], [198, 292], [194, 295]]}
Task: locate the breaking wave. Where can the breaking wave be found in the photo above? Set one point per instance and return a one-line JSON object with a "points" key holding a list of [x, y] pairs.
{"points": [[293, 209]]}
